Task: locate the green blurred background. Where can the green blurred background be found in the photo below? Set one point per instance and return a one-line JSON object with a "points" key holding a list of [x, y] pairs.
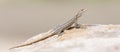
{"points": [[22, 19]]}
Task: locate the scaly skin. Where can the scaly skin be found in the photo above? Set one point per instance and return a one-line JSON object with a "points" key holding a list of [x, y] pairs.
{"points": [[56, 31]]}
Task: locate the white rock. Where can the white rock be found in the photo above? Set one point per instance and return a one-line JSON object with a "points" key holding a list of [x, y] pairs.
{"points": [[89, 38]]}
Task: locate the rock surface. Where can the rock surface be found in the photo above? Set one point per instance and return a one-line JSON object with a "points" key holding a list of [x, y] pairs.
{"points": [[89, 38]]}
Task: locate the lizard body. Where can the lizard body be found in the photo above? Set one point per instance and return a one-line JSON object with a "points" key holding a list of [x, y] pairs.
{"points": [[57, 30]]}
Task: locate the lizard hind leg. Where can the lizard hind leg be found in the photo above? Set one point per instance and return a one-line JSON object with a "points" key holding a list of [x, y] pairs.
{"points": [[60, 33]]}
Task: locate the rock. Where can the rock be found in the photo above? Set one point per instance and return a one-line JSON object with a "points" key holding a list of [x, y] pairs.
{"points": [[88, 38]]}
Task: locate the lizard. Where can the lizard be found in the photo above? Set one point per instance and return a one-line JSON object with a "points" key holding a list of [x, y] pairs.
{"points": [[56, 30]]}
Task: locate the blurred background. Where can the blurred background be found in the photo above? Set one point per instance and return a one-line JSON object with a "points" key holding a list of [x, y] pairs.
{"points": [[22, 19]]}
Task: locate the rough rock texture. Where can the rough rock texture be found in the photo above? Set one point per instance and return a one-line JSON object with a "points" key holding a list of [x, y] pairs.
{"points": [[89, 38]]}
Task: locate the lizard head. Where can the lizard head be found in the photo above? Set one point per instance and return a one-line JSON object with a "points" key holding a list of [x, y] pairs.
{"points": [[79, 14]]}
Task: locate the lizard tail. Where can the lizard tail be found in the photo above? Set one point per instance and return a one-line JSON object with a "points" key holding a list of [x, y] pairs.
{"points": [[32, 42], [22, 45]]}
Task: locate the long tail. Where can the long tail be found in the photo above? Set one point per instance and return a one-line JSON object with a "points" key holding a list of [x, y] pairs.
{"points": [[45, 36]]}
